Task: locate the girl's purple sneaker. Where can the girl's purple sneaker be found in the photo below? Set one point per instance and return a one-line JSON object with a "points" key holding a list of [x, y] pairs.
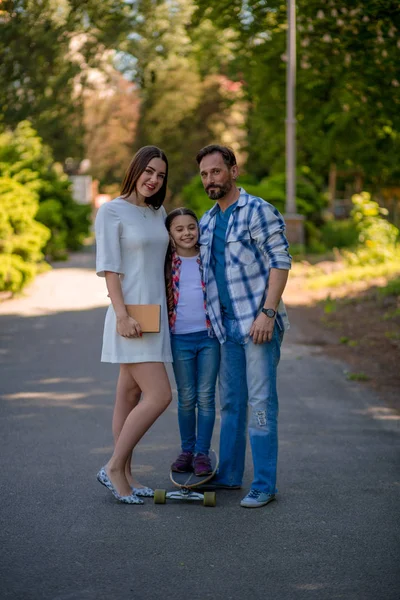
{"points": [[183, 464], [202, 465]]}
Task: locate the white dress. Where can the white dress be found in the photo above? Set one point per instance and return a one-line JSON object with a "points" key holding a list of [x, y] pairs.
{"points": [[132, 241]]}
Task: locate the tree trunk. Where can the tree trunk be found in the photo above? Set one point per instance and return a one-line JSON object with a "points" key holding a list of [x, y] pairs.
{"points": [[332, 187]]}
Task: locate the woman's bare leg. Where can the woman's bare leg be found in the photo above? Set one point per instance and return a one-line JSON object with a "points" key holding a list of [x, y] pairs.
{"points": [[152, 379], [127, 397]]}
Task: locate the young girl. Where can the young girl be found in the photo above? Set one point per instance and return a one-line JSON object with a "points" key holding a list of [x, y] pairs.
{"points": [[195, 349]]}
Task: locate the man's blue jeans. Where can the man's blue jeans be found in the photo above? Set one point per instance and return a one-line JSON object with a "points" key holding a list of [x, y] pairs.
{"points": [[196, 364], [248, 377]]}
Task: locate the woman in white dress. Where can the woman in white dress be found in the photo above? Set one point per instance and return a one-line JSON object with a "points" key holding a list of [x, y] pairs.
{"points": [[131, 243]]}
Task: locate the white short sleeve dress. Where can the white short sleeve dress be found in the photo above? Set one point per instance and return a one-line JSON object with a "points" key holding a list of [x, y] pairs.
{"points": [[132, 241]]}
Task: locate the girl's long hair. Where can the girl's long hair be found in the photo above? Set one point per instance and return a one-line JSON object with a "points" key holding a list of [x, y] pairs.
{"points": [[136, 168], [177, 212]]}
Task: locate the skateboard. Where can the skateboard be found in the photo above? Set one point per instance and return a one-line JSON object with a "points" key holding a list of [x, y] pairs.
{"points": [[187, 484]]}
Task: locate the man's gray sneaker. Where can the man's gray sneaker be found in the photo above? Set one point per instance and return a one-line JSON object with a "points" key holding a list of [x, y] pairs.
{"points": [[255, 499]]}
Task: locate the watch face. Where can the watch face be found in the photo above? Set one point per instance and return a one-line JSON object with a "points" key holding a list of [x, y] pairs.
{"points": [[269, 312]]}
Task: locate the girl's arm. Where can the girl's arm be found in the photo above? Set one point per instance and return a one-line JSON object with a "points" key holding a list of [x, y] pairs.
{"points": [[126, 326]]}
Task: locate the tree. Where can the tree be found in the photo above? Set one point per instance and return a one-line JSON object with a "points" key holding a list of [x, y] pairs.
{"points": [[186, 101], [110, 119], [47, 50], [347, 88]]}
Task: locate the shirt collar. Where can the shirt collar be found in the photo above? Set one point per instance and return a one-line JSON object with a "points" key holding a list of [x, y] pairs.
{"points": [[176, 261], [241, 201]]}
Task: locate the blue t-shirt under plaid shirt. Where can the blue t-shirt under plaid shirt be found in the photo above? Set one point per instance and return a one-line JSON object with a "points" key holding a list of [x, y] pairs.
{"points": [[218, 258], [255, 242]]}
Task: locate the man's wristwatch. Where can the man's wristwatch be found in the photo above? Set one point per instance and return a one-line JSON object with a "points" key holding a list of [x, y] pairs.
{"points": [[270, 312]]}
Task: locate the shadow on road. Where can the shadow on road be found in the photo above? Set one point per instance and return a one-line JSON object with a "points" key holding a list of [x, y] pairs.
{"points": [[332, 533]]}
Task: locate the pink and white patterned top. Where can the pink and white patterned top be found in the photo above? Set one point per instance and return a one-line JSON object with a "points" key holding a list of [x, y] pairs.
{"points": [[175, 276]]}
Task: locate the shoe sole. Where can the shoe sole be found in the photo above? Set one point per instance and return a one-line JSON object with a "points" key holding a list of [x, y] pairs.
{"points": [[258, 504], [176, 471], [140, 494], [214, 486]]}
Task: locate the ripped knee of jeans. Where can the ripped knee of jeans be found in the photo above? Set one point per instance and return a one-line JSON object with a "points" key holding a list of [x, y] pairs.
{"points": [[261, 416]]}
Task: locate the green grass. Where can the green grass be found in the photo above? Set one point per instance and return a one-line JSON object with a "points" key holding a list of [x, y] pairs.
{"points": [[348, 342], [330, 306], [329, 324], [297, 250], [391, 314], [392, 335], [357, 377], [391, 289], [351, 274]]}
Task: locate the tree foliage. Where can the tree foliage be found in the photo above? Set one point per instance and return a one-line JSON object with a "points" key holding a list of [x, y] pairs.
{"points": [[99, 79], [111, 118], [347, 84], [21, 237], [186, 101], [47, 52], [26, 161]]}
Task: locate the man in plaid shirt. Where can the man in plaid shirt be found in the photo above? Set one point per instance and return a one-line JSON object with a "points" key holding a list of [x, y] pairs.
{"points": [[246, 262]]}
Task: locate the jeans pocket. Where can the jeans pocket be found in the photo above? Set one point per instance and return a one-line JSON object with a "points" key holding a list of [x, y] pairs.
{"points": [[279, 332], [232, 330]]}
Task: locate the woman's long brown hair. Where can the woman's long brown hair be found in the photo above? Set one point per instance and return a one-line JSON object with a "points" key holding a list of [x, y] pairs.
{"points": [[177, 212], [136, 168]]}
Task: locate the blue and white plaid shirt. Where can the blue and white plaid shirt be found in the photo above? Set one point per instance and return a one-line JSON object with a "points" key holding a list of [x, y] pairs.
{"points": [[255, 242]]}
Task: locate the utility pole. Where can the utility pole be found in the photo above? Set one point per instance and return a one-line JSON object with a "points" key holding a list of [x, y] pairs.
{"points": [[294, 221]]}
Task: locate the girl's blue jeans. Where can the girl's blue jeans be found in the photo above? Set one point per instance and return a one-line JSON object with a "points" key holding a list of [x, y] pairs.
{"points": [[196, 364]]}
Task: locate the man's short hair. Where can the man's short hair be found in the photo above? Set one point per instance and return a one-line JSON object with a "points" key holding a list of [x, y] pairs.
{"points": [[227, 154]]}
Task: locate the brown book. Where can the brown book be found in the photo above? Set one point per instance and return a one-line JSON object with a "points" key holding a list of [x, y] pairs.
{"points": [[147, 315]]}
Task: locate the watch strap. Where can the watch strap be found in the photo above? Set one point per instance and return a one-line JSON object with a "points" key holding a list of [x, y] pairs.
{"points": [[270, 312]]}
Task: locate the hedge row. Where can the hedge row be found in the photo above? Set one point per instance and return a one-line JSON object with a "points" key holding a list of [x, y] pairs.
{"points": [[38, 216]]}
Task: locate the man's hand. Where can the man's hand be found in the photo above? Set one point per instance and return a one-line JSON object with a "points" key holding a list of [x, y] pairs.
{"points": [[128, 327], [262, 329]]}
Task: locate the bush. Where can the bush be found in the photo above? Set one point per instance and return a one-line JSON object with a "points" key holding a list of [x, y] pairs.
{"points": [[194, 197], [309, 200], [339, 234], [25, 159], [313, 235], [21, 237], [377, 238], [78, 220], [51, 214], [392, 288], [15, 273], [19, 232]]}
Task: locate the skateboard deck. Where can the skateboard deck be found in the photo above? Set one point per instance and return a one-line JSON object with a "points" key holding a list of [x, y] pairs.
{"points": [[190, 480], [187, 484]]}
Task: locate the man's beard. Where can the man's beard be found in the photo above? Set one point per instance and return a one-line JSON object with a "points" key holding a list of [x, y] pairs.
{"points": [[219, 192]]}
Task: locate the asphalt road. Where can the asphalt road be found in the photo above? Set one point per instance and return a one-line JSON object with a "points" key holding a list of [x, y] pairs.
{"points": [[333, 533]]}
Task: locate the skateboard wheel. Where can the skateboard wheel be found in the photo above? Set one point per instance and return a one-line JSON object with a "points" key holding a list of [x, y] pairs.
{"points": [[210, 499], [160, 496]]}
